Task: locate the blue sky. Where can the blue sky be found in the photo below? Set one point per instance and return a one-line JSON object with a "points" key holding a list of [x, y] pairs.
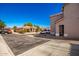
{"points": [[21, 13]]}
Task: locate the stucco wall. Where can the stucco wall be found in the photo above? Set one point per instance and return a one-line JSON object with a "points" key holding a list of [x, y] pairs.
{"points": [[53, 19], [57, 26], [52, 24], [71, 20]]}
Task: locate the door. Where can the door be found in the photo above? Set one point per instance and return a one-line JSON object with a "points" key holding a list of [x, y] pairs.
{"points": [[61, 30]]}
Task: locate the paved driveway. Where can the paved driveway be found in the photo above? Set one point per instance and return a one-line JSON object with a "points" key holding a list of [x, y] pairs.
{"points": [[21, 43], [55, 48]]}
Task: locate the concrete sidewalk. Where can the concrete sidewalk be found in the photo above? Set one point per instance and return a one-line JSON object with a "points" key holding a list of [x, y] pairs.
{"points": [[53, 48], [4, 49]]}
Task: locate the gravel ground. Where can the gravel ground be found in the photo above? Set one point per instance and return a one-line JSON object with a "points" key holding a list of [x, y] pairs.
{"points": [[21, 43]]}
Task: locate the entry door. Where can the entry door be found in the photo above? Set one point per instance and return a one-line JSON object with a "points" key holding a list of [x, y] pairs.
{"points": [[61, 30]]}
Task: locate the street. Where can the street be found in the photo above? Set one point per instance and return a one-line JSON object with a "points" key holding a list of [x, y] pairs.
{"points": [[21, 43]]}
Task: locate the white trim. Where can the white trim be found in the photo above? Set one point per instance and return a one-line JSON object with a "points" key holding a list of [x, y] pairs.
{"points": [[57, 34], [65, 35], [56, 14]]}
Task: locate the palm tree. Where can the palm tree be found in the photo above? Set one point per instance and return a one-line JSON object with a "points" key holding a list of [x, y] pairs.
{"points": [[14, 28], [28, 24], [2, 24]]}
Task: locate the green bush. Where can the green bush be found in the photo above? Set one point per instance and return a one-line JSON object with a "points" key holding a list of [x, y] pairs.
{"points": [[21, 31]]}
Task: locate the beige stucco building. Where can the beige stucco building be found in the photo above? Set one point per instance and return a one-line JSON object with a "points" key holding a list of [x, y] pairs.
{"points": [[56, 21], [68, 24], [30, 28], [71, 20]]}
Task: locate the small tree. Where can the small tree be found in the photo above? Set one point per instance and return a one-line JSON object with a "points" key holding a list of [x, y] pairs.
{"points": [[2, 24], [14, 28], [62, 9]]}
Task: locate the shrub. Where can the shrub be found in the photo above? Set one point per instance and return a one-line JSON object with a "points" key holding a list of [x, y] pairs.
{"points": [[23, 31]]}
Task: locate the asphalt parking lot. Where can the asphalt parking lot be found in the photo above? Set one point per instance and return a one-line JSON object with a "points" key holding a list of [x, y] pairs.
{"points": [[21, 43]]}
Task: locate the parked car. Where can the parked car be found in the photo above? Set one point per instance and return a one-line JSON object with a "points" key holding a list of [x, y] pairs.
{"points": [[45, 32], [5, 31]]}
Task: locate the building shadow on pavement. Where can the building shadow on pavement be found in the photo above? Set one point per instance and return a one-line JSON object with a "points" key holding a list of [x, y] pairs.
{"points": [[49, 36], [74, 50]]}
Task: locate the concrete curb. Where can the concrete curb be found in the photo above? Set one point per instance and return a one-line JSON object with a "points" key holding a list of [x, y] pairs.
{"points": [[6, 51]]}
